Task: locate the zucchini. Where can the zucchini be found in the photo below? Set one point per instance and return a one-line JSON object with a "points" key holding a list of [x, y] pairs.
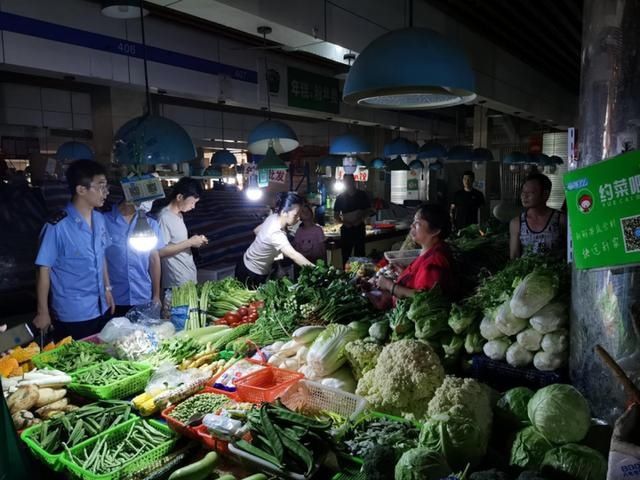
{"points": [[199, 470]]}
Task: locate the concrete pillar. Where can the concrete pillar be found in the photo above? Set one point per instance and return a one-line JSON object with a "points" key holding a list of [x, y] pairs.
{"points": [[102, 124], [481, 140], [602, 300]]}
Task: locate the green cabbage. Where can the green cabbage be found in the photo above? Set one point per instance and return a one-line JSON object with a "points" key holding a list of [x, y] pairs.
{"points": [[511, 409], [577, 461], [421, 464], [534, 292], [560, 413], [529, 449], [456, 437]]}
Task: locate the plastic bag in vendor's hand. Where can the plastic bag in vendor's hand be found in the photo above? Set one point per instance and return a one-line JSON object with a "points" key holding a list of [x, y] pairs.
{"points": [[116, 328], [147, 313]]}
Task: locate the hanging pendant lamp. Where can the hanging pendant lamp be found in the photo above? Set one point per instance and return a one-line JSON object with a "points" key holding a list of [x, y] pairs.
{"points": [[378, 163], [280, 135], [272, 161], [432, 149], [122, 9], [416, 165], [482, 155], [349, 144], [397, 165], [412, 68], [71, 151], [400, 146], [436, 166], [151, 139], [224, 157], [515, 160]]}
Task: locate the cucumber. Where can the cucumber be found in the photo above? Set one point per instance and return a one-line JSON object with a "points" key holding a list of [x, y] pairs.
{"points": [[257, 476], [199, 470]]}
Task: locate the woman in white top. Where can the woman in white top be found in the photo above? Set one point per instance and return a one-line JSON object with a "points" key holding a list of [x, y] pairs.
{"points": [[178, 266], [271, 240]]}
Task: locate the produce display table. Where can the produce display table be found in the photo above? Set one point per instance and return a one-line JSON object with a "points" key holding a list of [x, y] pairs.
{"points": [[376, 240]]}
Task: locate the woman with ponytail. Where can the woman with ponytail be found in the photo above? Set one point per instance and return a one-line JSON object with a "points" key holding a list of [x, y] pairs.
{"points": [[271, 240]]}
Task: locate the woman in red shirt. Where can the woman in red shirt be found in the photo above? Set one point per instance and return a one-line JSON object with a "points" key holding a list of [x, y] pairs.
{"points": [[429, 229]]}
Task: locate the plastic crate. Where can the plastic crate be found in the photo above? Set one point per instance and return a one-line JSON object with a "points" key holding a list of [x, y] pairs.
{"points": [[211, 442], [44, 359], [52, 460], [266, 385], [123, 388], [233, 395], [502, 376], [401, 257], [317, 397], [253, 463], [181, 428], [115, 436]]}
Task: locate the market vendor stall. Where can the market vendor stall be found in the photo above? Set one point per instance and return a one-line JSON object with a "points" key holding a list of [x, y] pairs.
{"points": [[308, 380]]}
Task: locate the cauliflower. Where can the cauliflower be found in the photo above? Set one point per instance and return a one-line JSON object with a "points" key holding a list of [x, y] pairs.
{"points": [[362, 356], [403, 381], [467, 397]]}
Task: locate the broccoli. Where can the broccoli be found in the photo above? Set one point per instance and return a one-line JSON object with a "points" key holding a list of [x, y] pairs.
{"points": [[379, 463], [405, 378]]}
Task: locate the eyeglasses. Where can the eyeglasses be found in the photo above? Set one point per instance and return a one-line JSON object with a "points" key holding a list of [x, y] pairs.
{"points": [[101, 187]]}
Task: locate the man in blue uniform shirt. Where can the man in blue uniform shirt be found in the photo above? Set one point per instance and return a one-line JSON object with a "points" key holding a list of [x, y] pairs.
{"points": [[135, 276], [72, 273]]}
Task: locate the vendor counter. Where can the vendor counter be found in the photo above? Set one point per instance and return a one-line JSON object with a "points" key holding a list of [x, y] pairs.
{"points": [[378, 240]]}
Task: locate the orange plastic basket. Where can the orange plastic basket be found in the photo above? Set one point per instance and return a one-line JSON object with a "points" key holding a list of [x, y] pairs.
{"points": [[211, 442], [265, 385]]}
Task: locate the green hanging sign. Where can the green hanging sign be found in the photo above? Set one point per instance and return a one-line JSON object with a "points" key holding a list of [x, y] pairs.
{"points": [[312, 91], [603, 203]]}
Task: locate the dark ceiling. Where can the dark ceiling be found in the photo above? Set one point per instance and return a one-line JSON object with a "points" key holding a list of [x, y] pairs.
{"points": [[546, 34]]}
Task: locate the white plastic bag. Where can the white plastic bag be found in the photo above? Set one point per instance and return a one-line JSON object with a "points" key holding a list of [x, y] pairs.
{"points": [[530, 339], [518, 356], [496, 349], [556, 342], [550, 318], [507, 322]]}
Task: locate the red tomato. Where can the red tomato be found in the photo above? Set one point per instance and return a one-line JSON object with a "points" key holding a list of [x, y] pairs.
{"points": [[252, 317], [242, 311], [257, 304], [232, 318], [221, 321], [251, 310]]}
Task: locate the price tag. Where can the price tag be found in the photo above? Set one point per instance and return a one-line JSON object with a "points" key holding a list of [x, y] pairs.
{"points": [[142, 189]]}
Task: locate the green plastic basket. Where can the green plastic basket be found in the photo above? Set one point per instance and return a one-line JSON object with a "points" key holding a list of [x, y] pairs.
{"points": [[115, 436], [44, 359], [126, 387], [52, 460]]}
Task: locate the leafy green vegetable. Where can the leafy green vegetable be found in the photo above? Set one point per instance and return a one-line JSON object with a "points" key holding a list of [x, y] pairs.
{"points": [[327, 352], [577, 461], [421, 464], [529, 448], [511, 409], [560, 413], [462, 317], [452, 345], [474, 342], [430, 312], [379, 331]]}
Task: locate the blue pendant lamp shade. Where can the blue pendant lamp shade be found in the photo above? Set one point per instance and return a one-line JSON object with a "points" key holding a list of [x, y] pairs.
{"points": [[272, 161], [481, 155], [122, 9], [71, 151], [330, 161], [460, 153], [348, 144], [397, 165], [272, 133], [432, 149], [412, 68], [223, 158], [400, 146], [416, 165], [556, 160], [378, 163], [515, 158], [538, 159], [151, 139], [436, 166]]}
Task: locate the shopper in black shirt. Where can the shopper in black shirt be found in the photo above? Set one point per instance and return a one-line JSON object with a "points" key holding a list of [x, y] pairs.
{"points": [[466, 203], [352, 207]]}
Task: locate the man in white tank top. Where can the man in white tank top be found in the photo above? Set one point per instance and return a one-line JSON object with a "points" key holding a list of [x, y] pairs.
{"points": [[538, 230]]}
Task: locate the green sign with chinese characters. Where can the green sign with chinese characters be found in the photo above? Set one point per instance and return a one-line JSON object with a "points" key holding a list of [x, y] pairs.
{"points": [[312, 91], [603, 202]]}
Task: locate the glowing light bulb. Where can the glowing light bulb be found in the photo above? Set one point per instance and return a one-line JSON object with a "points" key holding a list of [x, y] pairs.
{"points": [[338, 187], [254, 193], [143, 238]]}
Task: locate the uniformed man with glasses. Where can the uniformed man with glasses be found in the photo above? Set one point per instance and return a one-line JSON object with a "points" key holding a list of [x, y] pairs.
{"points": [[73, 287]]}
